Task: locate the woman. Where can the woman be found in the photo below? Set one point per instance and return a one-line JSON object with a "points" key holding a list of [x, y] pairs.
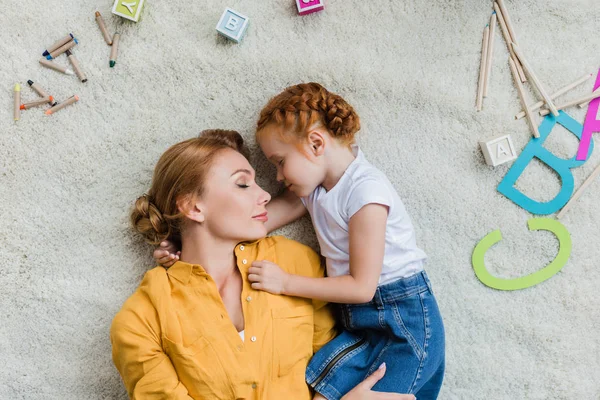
{"points": [[198, 330]]}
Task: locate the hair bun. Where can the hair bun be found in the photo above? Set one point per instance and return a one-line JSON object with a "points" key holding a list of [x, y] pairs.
{"points": [[149, 221]]}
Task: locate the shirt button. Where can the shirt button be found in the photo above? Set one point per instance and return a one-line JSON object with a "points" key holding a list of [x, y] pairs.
{"points": [[242, 247], [253, 338], [244, 261], [248, 298], [254, 386]]}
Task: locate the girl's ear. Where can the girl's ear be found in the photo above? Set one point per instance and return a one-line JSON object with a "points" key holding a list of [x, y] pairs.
{"points": [[316, 142], [192, 208]]}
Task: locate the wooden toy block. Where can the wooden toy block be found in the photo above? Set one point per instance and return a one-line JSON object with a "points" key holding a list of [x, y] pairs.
{"points": [[232, 25], [309, 6], [129, 9], [498, 150]]}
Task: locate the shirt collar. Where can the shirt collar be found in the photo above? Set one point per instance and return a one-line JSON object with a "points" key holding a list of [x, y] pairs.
{"points": [[358, 159], [182, 271]]}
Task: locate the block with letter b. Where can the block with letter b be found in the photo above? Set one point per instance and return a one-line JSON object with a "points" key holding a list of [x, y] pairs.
{"points": [[232, 25], [130, 9], [309, 6], [498, 150]]}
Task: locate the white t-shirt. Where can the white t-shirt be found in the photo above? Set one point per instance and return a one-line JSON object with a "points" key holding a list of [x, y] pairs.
{"points": [[241, 333], [331, 211]]}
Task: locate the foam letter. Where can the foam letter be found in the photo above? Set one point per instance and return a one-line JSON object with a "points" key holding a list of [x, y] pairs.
{"points": [[590, 125], [563, 167], [548, 224]]}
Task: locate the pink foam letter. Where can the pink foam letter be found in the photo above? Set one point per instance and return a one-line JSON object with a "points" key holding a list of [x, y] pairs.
{"points": [[590, 125]]}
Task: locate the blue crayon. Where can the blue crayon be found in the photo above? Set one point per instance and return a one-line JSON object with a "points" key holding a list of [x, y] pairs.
{"points": [[62, 49], [56, 45]]}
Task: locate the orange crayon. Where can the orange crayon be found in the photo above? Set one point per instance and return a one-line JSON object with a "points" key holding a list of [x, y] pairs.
{"points": [[40, 102], [60, 106]]}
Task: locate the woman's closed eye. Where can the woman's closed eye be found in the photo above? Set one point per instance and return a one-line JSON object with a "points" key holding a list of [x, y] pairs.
{"points": [[243, 185]]}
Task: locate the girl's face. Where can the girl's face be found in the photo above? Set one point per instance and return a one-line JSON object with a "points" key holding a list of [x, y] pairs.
{"points": [[233, 206], [300, 169]]}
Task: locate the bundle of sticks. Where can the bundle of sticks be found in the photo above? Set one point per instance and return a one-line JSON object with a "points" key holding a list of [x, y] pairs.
{"points": [[521, 70]]}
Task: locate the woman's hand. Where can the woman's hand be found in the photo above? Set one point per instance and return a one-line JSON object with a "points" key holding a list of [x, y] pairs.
{"points": [[267, 276], [363, 391], [166, 254]]}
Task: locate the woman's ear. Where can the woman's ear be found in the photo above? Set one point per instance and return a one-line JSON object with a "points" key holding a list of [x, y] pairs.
{"points": [[316, 142], [191, 207]]}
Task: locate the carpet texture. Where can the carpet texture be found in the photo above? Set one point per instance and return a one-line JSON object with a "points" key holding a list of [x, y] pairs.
{"points": [[68, 259]]}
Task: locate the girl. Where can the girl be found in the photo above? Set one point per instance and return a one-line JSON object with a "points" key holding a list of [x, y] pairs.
{"points": [[374, 267]]}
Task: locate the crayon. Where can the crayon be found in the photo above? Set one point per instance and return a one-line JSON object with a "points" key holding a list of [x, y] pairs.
{"points": [[40, 102], [62, 49], [17, 101], [60, 106], [56, 67], [102, 27], [38, 89], [114, 50], [76, 67], [59, 43]]}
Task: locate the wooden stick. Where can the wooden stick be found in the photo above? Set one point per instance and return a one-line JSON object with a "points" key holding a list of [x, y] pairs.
{"points": [[536, 82], [508, 41], [490, 53], [579, 191], [588, 97], [584, 104], [533, 124], [484, 47], [554, 95], [507, 20]]}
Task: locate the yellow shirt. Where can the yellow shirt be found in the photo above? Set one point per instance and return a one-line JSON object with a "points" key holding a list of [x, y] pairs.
{"points": [[173, 338]]}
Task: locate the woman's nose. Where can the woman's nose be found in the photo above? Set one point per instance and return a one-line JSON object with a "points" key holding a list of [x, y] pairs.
{"points": [[264, 198], [280, 177]]}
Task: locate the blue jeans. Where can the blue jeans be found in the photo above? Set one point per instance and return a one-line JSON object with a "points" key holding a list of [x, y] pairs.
{"points": [[402, 326]]}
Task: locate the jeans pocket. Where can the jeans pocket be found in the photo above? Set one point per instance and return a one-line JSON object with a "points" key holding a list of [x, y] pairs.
{"points": [[412, 322]]}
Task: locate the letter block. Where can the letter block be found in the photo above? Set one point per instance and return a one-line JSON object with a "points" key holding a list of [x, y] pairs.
{"points": [[232, 25], [498, 150], [309, 6], [130, 9]]}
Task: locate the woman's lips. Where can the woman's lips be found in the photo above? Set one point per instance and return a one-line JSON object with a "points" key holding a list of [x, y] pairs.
{"points": [[261, 217]]}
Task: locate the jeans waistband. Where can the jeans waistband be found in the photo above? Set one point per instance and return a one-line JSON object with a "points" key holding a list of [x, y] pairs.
{"points": [[401, 288]]}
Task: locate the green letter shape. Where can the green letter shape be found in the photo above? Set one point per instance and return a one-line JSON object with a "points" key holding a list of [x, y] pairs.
{"points": [[548, 224]]}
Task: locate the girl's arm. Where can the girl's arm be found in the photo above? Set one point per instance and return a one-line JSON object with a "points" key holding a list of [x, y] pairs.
{"points": [[367, 245], [284, 209]]}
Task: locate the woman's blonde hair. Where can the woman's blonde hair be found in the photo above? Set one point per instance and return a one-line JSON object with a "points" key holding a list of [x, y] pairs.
{"points": [[299, 107], [179, 173]]}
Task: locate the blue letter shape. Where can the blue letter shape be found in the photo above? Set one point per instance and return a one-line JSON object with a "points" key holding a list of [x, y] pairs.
{"points": [[563, 167]]}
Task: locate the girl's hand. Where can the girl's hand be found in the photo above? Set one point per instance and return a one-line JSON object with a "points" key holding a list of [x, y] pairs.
{"points": [[166, 254], [264, 275], [363, 391]]}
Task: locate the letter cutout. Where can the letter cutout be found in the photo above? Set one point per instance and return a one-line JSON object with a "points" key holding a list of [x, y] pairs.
{"points": [[563, 167], [591, 124], [547, 224]]}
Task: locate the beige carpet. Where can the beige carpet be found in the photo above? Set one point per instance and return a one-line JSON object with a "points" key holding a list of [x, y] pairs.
{"points": [[68, 259]]}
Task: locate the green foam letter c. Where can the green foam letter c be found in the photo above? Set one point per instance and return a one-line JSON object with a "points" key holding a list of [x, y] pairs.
{"points": [[548, 224]]}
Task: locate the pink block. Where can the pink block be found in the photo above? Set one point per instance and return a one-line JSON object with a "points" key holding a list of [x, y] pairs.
{"points": [[309, 6], [591, 125]]}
